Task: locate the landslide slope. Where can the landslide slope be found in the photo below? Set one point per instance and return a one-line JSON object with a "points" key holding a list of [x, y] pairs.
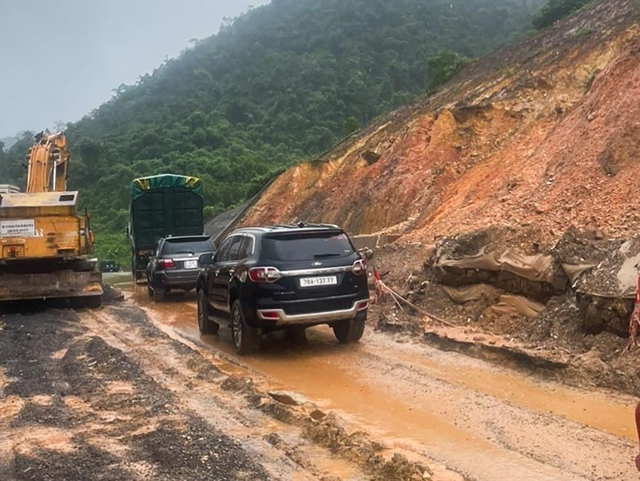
{"points": [[546, 132]]}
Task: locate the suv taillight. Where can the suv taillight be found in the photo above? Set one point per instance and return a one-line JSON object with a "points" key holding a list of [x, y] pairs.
{"points": [[166, 264], [359, 267], [264, 274]]}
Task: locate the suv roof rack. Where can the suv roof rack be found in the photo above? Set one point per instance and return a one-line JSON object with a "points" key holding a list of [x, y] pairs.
{"points": [[302, 225]]}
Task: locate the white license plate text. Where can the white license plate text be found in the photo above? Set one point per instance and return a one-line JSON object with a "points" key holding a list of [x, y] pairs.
{"points": [[318, 281]]}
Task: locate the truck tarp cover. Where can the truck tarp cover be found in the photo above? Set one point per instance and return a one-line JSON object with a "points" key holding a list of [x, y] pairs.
{"points": [[144, 184], [165, 205]]}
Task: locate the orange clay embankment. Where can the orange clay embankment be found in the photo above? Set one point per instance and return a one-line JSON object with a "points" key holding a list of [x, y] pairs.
{"points": [[545, 133]]}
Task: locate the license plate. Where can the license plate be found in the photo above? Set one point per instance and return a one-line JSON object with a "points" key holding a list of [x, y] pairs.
{"points": [[318, 281], [190, 264]]}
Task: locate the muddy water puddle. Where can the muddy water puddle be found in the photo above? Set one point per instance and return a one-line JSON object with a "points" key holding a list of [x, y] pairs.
{"points": [[316, 370], [410, 396], [119, 280], [605, 413], [252, 429]]}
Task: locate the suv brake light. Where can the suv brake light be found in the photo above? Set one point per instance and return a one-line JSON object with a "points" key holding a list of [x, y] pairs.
{"points": [[359, 267], [362, 305], [264, 274], [166, 264]]}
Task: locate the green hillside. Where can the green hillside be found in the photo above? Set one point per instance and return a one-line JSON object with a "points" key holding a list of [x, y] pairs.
{"points": [[277, 85]]}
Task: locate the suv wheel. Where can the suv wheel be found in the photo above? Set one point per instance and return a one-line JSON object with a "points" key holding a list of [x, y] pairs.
{"points": [[204, 324], [245, 338], [149, 291], [350, 330], [158, 294]]}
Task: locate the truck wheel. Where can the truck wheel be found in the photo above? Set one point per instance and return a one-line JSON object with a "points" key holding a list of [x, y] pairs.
{"points": [[205, 325], [245, 338], [351, 330], [134, 273]]}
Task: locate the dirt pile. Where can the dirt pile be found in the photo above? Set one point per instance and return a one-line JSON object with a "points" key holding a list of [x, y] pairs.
{"points": [[583, 247], [502, 281], [599, 274], [542, 134], [580, 335], [497, 257], [615, 275], [111, 294]]}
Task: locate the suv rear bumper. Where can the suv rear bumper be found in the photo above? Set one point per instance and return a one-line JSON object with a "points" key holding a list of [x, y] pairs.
{"points": [[179, 279], [281, 318]]}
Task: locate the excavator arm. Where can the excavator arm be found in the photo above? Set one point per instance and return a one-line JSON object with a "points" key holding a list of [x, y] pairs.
{"points": [[48, 164]]}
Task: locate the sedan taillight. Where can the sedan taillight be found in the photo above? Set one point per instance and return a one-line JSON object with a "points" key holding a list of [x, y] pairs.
{"points": [[166, 264], [264, 274], [359, 267]]}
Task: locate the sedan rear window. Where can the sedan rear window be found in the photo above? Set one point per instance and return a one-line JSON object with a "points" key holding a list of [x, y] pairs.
{"points": [[193, 246], [306, 246]]}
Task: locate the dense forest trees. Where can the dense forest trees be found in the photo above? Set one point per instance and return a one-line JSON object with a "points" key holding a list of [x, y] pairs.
{"points": [[13, 161], [277, 85], [555, 10]]}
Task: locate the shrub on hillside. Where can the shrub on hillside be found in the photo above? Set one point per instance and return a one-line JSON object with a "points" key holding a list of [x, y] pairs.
{"points": [[556, 10]]}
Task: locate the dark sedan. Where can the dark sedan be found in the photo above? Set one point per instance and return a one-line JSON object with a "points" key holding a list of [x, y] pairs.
{"points": [[175, 264], [109, 266]]}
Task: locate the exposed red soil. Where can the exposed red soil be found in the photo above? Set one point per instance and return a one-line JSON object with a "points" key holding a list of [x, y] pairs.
{"points": [[545, 133]]}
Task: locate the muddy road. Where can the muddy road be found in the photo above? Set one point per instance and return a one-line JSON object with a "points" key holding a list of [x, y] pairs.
{"points": [[132, 391]]}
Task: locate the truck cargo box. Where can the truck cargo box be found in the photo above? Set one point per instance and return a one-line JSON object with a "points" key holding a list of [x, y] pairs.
{"points": [[161, 206]]}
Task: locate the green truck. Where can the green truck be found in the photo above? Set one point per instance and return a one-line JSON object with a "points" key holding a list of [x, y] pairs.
{"points": [[161, 206]]}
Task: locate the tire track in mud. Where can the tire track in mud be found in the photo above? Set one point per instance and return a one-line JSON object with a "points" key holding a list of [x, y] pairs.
{"points": [[278, 428], [483, 421], [73, 407], [197, 384]]}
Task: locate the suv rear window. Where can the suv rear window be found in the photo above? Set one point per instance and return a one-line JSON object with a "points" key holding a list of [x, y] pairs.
{"points": [[196, 245], [306, 246]]}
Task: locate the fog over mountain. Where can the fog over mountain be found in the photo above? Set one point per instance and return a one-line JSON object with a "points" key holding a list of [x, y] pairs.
{"points": [[62, 59]]}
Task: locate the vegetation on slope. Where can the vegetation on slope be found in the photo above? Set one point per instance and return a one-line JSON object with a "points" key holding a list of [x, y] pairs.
{"points": [[555, 10], [279, 84]]}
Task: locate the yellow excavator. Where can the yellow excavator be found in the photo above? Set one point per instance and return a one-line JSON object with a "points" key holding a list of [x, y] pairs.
{"points": [[45, 244]]}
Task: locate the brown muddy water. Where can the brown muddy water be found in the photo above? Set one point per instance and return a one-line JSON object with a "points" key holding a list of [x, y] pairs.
{"points": [[485, 422]]}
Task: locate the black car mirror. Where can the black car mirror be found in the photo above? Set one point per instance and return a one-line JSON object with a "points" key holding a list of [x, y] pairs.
{"points": [[206, 259]]}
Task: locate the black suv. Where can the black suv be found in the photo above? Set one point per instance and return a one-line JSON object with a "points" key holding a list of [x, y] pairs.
{"points": [[285, 277], [174, 264]]}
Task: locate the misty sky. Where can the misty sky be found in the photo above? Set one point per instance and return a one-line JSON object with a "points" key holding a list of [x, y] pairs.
{"points": [[60, 59]]}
